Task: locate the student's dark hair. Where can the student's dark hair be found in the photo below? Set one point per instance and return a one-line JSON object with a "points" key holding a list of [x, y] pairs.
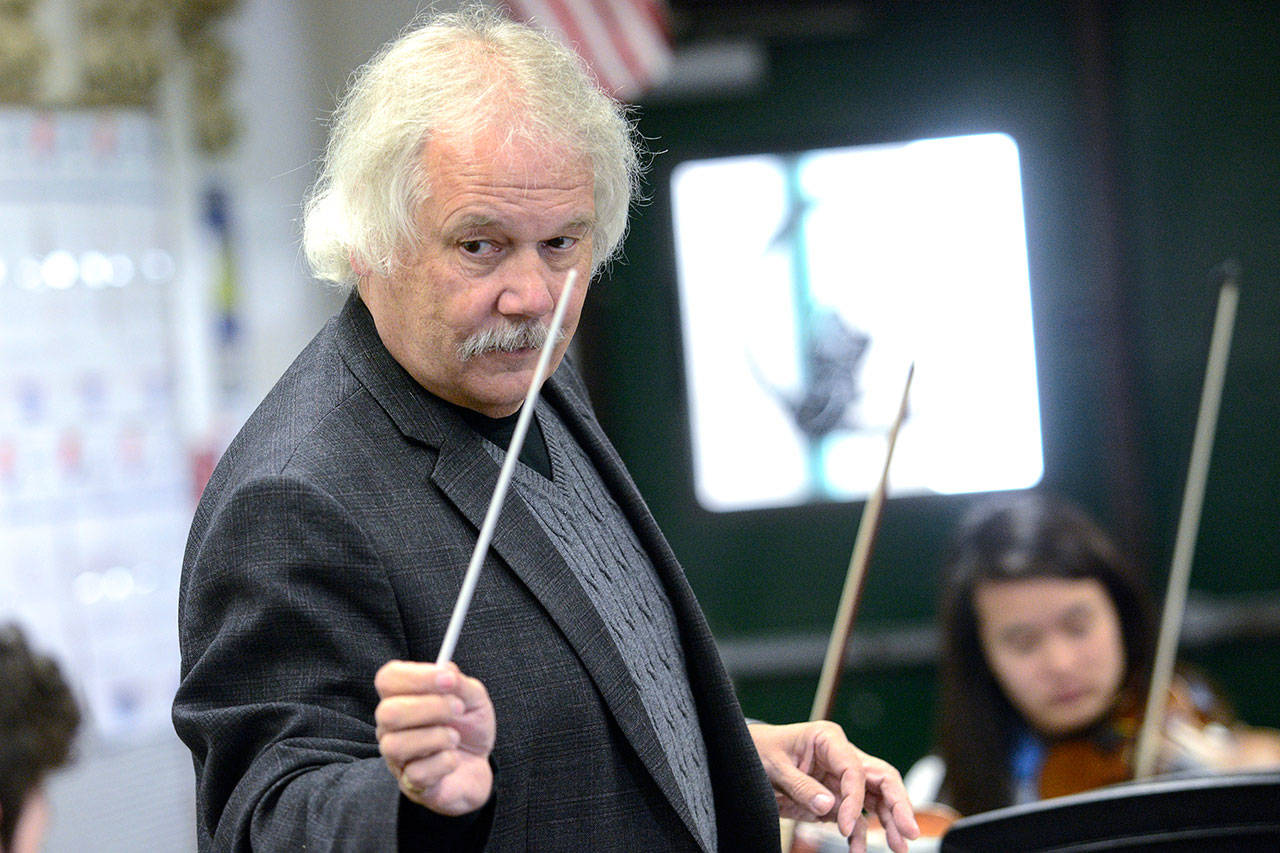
{"points": [[38, 721], [1027, 535]]}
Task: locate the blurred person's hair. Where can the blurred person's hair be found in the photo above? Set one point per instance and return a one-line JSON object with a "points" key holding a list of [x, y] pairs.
{"points": [[38, 721], [457, 74]]}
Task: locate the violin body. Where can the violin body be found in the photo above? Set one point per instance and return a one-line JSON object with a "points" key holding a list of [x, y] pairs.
{"points": [[1196, 735]]}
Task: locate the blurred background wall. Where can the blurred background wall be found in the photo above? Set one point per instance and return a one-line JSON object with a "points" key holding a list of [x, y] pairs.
{"points": [[161, 130], [1147, 133]]}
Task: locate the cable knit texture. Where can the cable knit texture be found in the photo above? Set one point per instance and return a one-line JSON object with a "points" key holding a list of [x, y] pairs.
{"points": [[593, 536]]}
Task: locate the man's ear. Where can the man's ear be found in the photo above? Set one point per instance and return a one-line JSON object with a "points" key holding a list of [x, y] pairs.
{"points": [[358, 266]]}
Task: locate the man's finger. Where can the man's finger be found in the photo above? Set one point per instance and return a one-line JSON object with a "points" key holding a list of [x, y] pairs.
{"points": [[858, 835], [853, 795], [397, 713], [401, 748], [894, 811], [400, 678], [805, 792], [892, 835], [423, 774], [471, 690]]}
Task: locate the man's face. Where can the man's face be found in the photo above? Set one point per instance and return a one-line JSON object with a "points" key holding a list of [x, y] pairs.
{"points": [[1056, 648], [501, 229]]}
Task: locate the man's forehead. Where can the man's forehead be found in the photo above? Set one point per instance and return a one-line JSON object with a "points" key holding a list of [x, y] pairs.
{"points": [[477, 220], [497, 143]]}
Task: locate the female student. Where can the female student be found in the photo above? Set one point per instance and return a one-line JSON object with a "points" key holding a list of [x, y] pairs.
{"points": [[1046, 656]]}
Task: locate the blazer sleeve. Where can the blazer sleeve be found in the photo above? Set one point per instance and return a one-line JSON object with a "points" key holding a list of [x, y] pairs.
{"points": [[284, 618]]}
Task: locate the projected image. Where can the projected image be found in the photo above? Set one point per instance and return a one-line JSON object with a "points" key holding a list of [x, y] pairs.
{"points": [[808, 285]]}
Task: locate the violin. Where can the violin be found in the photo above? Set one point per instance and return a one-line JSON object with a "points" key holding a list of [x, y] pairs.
{"points": [[1197, 735]]}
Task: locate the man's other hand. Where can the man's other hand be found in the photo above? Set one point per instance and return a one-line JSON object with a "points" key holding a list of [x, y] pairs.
{"points": [[817, 774]]}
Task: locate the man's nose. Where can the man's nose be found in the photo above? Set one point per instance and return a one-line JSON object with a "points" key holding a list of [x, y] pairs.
{"points": [[528, 287]]}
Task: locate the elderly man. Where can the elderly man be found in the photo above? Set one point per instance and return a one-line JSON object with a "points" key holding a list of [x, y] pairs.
{"points": [[471, 167]]}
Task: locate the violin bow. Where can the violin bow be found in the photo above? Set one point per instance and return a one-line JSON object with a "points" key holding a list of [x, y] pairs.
{"points": [[837, 645], [472, 577], [1146, 749]]}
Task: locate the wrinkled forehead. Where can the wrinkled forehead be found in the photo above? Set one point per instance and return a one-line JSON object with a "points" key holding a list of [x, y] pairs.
{"points": [[495, 154]]}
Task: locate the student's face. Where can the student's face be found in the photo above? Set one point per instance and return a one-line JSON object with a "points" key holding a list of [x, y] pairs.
{"points": [[1056, 648], [501, 228]]}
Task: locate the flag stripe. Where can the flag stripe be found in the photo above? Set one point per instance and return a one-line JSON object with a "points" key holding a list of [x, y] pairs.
{"points": [[613, 70], [645, 22], [625, 43], [553, 16], [617, 35]]}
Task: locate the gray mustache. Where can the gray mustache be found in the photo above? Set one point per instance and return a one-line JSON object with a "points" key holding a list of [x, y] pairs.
{"points": [[507, 337]]}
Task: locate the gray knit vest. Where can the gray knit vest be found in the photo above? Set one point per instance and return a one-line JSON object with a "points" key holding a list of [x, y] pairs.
{"points": [[590, 532]]}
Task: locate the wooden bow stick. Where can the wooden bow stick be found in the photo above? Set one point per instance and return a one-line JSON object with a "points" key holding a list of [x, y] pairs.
{"points": [[504, 478], [837, 645], [1147, 747]]}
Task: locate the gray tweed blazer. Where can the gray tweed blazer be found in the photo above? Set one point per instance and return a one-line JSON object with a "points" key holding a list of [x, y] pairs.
{"points": [[332, 538]]}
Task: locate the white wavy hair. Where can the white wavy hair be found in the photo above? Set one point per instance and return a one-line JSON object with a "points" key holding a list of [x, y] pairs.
{"points": [[457, 73]]}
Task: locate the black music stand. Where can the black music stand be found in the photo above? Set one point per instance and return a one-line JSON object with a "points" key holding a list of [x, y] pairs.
{"points": [[1238, 812]]}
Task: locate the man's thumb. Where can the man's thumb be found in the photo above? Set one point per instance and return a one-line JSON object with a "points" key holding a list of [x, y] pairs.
{"points": [[807, 792]]}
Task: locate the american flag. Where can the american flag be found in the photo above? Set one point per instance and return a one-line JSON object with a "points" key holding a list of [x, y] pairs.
{"points": [[626, 43]]}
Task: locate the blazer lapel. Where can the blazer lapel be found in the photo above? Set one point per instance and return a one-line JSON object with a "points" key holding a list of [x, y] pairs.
{"points": [[519, 541], [467, 475]]}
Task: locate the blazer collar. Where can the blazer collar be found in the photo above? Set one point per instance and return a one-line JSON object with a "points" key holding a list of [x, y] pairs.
{"points": [[416, 412]]}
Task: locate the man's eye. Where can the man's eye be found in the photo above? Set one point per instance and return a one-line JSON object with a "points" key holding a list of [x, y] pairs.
{"points": [[475, 247], [562, 242]]}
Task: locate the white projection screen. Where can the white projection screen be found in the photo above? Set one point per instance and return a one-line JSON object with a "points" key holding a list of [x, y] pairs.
{"points": [[809, 282]]}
